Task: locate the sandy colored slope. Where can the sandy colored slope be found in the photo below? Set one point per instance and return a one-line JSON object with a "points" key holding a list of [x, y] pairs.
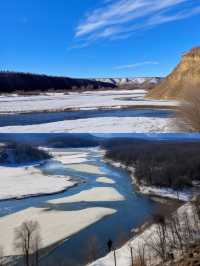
{"points": [[184, 77]]}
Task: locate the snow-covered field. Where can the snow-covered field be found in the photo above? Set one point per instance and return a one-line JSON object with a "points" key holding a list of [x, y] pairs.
{"points": [[19, 182], [139, 122], [77, 101], [25, 181], [65, 157], [100, 125]]}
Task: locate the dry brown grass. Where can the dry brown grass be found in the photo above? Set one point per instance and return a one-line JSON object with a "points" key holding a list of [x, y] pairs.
{"points": [[189, 111], [186, 72], [194, 51]]}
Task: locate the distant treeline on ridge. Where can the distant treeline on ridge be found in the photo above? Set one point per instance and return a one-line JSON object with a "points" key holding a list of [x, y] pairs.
{"points": [[28, 82]]}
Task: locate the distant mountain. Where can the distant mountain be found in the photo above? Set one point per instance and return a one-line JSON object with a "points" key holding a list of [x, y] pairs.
{"points": [[184, 77], [27, 83], [132, 83]]}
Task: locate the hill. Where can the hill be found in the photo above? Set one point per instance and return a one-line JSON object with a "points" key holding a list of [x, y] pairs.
{"points": [[27, 83], [184, 77], [133, 83]]}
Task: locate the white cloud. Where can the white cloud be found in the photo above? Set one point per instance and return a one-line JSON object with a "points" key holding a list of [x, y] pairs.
{"points": [[120, 18], [139, 64]]}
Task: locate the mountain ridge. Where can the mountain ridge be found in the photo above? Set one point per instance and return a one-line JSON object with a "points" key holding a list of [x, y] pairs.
{"points": [[134, 82]]}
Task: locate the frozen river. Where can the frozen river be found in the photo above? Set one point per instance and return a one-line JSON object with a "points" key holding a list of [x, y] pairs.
{"points": [[105, 188], [87, 112]]}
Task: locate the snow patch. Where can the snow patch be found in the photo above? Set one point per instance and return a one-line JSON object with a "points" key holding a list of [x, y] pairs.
{"points": [[100, 125], [78, 101], [58, 216], [19, 182]]}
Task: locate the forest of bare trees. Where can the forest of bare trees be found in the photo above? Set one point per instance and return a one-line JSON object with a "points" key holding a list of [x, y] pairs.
{"points": [[169, 240], [20, 153], [159, 163]]}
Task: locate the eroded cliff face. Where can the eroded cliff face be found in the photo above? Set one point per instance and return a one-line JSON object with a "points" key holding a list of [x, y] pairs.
{"points": [[184, 77]]}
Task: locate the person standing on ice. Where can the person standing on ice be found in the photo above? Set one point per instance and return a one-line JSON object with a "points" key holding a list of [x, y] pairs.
{"points": [[109, 244]]}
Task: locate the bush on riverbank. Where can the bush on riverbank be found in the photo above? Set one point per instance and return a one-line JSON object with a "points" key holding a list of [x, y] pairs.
{"points": [[165, 164], [21, 154]]}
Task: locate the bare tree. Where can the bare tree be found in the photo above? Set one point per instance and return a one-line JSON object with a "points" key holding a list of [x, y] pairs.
{"points": [[115, 257], [158, 241], [1, 256], [174, 236], [27, 241], [131, 253], [187, 229], [196, 206], [140, 259]]}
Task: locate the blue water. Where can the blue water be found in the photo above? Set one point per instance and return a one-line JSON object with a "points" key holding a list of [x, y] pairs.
{"points": [[131, 212], [134, 210], [49, 117]]}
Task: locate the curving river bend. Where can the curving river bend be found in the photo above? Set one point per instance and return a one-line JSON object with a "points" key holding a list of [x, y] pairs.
{"points": [[129, 213]]}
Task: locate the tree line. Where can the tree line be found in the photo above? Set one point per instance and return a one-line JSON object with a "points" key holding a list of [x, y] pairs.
{"points": [[25, 83], [161, 163]]}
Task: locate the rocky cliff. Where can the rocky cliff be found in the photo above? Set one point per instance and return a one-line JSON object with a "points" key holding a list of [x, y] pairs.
{"points": [[132, 83], [183, 78]]}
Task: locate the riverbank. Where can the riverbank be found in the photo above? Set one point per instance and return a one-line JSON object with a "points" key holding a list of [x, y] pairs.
{"points": [[77, 101], [106, 196], [27, 181], [91, 112], [166, 193], [111, 204], [146, 247]]}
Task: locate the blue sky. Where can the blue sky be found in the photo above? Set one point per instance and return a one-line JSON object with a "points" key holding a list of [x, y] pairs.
{"points": [[97, 38]]}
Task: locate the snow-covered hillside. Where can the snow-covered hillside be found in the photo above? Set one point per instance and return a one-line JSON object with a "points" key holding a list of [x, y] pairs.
{"points": [[131, 81], [147, 245]]}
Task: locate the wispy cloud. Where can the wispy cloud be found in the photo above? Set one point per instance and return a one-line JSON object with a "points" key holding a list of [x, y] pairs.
{"points": [[139, 64], [121, 18]]}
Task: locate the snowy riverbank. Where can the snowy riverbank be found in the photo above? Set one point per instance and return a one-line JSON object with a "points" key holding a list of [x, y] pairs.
{"points": [[23, 182], [142, 243], [91, 100], [29, 180], [100, 125], [183, 195], [64, 215], [139, 114]]}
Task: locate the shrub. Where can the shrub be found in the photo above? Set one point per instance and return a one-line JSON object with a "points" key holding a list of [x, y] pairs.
{"points": [[14, 153]]}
